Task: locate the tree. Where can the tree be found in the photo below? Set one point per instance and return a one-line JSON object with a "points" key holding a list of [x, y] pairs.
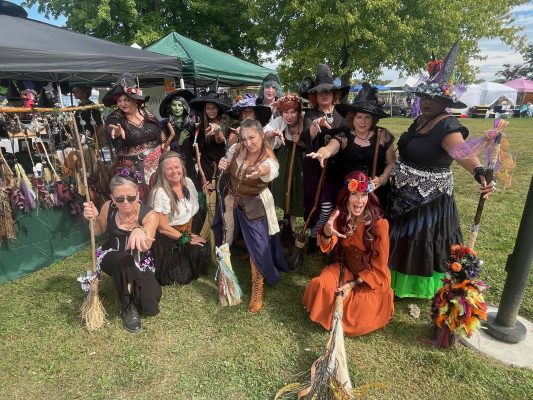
{"points": [[366, 36], [217, 23], [525, 70]]}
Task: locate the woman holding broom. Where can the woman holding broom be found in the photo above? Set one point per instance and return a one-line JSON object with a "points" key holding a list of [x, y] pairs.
{"points": [[289, 150], [358, 234], [424, 221], [252, 166], [180, 255], [126, 255]]}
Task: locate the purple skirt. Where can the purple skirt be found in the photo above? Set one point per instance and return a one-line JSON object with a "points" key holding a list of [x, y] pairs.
{"points": [[265, 249]]}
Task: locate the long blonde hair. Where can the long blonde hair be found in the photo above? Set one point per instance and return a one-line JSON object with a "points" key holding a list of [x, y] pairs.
{"points": [[161, 182]]}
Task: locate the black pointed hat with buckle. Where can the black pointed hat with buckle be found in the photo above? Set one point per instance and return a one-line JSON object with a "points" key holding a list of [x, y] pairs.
{"points": [[324, 82], [366, 101], [439, 85], [127, 85]]}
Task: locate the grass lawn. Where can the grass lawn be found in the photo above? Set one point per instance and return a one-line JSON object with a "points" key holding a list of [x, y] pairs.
{"points": [[195, 349]]}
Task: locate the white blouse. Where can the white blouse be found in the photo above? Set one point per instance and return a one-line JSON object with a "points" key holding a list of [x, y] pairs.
{"points": [[187, 208]]}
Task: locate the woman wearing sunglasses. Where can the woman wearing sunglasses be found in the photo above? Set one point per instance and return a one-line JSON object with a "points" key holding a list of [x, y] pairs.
{"points": [[126, 255]]}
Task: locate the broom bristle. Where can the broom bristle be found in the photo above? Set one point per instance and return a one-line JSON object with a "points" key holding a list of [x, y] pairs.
{"points": [[229, 291], [92, 310]]}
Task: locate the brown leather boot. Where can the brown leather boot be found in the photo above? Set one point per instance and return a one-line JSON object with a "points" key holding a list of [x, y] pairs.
{"points": [[256, 299]]}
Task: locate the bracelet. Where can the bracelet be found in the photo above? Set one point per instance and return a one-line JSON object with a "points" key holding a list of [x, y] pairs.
{"points": [[142, 228], [478, 172], [185, 238]]}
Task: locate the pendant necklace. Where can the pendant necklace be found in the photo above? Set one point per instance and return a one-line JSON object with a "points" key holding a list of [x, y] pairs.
{"points": [[329, 117]]}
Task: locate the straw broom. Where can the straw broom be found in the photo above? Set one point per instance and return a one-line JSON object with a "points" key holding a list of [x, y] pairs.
{"points": [[92, 309], [229, 291], [295, 255], [329, 376]]}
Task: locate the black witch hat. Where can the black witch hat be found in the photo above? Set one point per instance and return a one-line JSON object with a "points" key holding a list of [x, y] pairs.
{"points": [[126, 85], [324, 82], [366, 101], [185, 94], [440, 84], [210, 97]]}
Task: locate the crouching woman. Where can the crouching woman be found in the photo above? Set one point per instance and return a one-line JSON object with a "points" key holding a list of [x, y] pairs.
{"points": [[360, 236], [126, 255]]}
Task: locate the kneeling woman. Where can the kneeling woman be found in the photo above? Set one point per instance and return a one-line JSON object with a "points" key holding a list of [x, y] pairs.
{"points": [[364, 246], [126, 256], [252, 165], [180, 256]]}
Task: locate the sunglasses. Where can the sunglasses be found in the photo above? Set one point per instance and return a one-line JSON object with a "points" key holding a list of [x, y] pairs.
{"points": [[122, 199]]}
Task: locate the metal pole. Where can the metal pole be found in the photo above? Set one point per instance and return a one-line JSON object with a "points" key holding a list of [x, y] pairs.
{"points": [[503, 324]]}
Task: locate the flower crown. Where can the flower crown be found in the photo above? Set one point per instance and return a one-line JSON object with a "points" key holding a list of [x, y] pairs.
{"points": [[130, 174], [353, 185], [462, 263], [136, 90]]}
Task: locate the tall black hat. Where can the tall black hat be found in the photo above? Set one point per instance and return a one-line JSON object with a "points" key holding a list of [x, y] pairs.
{"points": [[185, 94], [127, 85], [439, 84], [210, 97], [324, 82], [366, 101]]}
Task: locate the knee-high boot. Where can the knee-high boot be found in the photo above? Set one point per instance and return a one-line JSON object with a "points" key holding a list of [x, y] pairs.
{"points": [[256, 298]]}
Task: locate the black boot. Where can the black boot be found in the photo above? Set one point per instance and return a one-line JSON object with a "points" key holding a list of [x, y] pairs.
{"points": [[131, 319]]}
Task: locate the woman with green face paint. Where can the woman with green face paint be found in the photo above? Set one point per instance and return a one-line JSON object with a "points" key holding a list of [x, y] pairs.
{"points": [[180, 129]]}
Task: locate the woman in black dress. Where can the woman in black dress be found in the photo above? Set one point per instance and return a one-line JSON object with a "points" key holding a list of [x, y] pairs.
{"points": [[126, 255], [180, 254], [423, 217], [357, 148], [135, 134], [321, 124]]}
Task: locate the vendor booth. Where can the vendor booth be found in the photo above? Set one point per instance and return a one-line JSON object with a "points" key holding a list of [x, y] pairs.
{"points": [[203, 65], [40, 187]]}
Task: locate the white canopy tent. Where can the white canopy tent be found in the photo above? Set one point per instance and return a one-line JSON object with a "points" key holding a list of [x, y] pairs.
{"points": [[400, 83], [487, 93]]}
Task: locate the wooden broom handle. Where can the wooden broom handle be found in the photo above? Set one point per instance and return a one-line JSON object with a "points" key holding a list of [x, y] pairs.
{"points": [[317, 197], [48, 109], [375, 161], [87, 195], [481, 203], [289, 182]]}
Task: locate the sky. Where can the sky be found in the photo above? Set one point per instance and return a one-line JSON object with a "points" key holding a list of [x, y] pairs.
{"points": [[497, 53]]}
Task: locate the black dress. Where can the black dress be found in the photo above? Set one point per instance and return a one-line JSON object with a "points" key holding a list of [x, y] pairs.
{"points": [[360, 158], [129, 267], [423, 217], [311, 167]]}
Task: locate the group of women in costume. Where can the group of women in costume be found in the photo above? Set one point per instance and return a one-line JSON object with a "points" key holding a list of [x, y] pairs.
{"points": [[386, 222]]}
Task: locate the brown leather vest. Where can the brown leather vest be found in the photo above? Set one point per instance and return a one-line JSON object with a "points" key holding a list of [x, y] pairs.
{"points": [[240, 185]]}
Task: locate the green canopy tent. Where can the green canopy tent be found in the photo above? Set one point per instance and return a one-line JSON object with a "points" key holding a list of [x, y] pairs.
{"points": [[203, 65]]}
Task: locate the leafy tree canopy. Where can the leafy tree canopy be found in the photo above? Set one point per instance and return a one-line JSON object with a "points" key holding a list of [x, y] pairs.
{"points": [[366, 36], [217, 23]]}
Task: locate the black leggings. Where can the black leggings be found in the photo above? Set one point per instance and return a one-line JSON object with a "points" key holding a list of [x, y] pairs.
{"points": [[146, 291]]}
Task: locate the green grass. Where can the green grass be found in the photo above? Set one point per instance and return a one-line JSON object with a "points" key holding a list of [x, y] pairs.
{"points": [[195, 349]]}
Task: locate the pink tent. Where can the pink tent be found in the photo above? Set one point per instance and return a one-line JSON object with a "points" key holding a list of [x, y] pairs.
{"points": [[524, 87]]}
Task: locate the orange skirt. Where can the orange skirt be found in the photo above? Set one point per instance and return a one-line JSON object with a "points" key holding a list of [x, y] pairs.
{"points": [[365, 310]]}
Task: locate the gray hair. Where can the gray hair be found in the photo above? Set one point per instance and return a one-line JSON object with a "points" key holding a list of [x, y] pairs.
{"points": [[119, 180], [253, 124]]}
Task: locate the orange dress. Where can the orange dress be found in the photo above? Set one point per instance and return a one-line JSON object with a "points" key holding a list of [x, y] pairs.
{"points": [[369, 306]]}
